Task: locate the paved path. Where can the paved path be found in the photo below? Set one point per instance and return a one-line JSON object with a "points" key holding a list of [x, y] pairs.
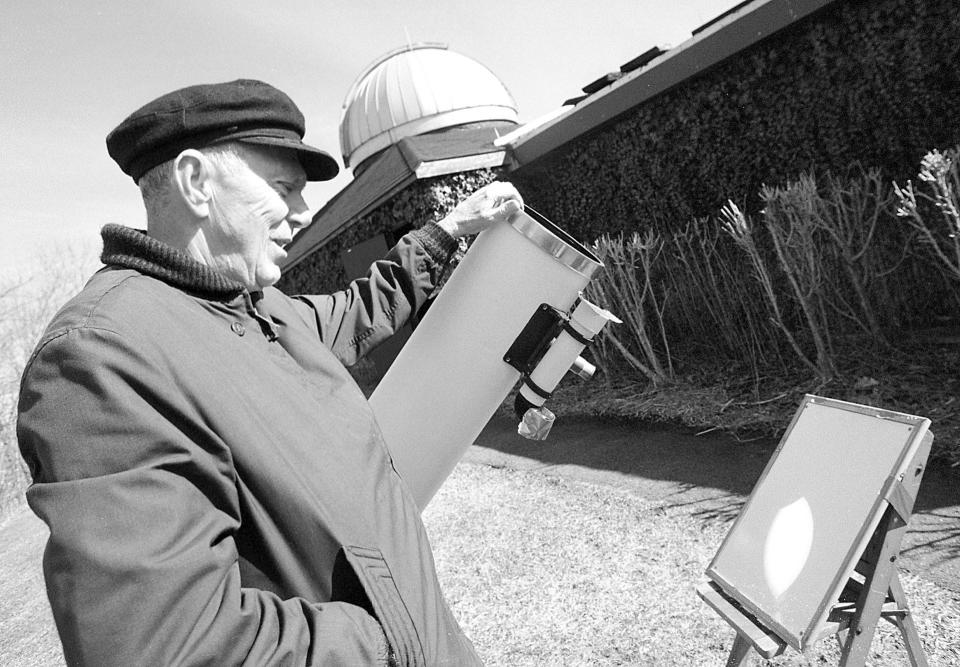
{"points": [[709, 476]]}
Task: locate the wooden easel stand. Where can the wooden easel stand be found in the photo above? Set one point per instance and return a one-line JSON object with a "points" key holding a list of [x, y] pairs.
{"points": [[874, 592]]}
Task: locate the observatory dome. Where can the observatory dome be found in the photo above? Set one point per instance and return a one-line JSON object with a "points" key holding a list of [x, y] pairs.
{"points": [[417, 89]]}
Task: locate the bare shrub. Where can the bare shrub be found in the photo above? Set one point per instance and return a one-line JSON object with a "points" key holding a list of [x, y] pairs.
{"points": [[743, 232], [626, 288], [839, 258], [934, 211], [812, 273], [717, 304], [790, 215], [849, 215]]}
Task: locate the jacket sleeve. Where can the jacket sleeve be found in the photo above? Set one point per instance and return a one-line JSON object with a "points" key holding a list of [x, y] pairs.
{"points": [[354, 321], [141, 565]]}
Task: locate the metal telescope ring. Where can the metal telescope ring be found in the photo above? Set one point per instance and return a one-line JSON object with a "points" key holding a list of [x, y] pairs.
{"points": [[555, 242]]}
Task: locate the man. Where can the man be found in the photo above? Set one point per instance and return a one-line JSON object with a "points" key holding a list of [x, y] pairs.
{"points": [[216, 487]]}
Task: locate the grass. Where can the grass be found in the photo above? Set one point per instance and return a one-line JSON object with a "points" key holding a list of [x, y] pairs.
{"points": [[543, 570]]}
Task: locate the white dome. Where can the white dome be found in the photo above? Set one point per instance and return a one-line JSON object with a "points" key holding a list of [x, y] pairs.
{"points": [[417, 89]]}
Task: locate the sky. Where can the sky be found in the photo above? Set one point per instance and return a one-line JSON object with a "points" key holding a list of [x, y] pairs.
{"points": [[71, 71]]}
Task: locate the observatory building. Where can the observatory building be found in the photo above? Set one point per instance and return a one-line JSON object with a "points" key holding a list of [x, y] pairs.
{"points": [[417, 90]]}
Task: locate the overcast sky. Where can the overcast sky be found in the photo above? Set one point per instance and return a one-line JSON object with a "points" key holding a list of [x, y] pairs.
{"points": [[71, 70]]}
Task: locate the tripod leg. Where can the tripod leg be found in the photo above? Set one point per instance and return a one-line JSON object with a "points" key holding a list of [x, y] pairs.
{"points": [[876, 585], [908, 629], [740, 653]]}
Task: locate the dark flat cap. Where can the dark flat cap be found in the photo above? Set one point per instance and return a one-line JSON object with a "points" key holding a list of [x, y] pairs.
{"points": [[243, 110]]}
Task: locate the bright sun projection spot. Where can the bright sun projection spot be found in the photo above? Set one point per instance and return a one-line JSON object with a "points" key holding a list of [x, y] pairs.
{"points": [[788, 546]]}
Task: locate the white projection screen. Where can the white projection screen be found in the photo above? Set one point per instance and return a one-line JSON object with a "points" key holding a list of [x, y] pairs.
{"points": [[798, 537]]}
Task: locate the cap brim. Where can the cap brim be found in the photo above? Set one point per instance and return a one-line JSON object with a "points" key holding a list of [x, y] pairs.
{"points": [[317, 164]]}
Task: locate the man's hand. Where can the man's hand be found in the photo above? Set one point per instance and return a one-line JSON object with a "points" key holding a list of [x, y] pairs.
{"points": [[491, 204]]}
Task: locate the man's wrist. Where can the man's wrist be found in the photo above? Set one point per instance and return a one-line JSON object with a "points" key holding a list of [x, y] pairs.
{"points": [[450, 226], [439, 243]]}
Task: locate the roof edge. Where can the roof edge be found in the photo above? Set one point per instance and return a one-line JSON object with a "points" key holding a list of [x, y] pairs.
{"points": [[743, 27]]}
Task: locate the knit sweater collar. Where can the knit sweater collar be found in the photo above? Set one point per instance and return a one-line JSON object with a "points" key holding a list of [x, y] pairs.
{"points": [[132, 249]]}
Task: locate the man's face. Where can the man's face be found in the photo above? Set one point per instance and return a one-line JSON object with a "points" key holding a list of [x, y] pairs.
{"points": [[255, 206]]}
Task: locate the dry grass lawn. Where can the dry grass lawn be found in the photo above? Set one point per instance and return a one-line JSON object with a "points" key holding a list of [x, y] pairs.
{"points": [[549, 571], [541, 570]]}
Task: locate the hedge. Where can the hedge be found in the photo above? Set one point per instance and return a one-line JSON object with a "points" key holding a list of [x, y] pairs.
{"points": [[870, 81]]}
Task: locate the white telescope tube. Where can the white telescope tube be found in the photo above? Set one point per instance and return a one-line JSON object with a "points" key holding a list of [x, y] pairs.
{"points": [[450, 376]]}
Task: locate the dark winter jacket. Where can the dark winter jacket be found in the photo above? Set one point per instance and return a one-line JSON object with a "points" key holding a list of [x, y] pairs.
{"points": [[216, 487]]}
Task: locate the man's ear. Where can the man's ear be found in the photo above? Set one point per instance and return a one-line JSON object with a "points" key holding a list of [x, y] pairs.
{"points": [[192, 174]]}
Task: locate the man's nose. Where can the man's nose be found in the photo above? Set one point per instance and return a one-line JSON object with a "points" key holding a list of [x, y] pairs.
{"points": [[299, 215]]}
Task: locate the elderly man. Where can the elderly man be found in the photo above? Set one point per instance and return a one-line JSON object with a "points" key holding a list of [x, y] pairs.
{"points": [[216, 487]]}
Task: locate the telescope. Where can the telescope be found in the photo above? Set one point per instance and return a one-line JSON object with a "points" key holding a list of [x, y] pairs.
{"points": [[512, 311]]}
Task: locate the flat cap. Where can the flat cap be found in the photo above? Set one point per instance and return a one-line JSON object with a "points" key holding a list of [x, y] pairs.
{"points": [[243, 110]]}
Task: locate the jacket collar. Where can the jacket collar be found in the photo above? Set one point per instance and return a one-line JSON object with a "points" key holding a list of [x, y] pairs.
{"points": [[132, 249]]}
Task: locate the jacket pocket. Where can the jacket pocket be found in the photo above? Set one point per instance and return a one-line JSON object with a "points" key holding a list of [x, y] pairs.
{"points": [[388, 607]]}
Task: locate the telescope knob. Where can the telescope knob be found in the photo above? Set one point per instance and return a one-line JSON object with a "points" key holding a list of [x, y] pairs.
{"points": [[583, 368]]}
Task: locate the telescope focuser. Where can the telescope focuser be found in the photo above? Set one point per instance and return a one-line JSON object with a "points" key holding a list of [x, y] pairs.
{"points": [[546, 349]]}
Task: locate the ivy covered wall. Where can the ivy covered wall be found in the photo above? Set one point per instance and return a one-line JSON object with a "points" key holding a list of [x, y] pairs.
{"points": [[425, 201], [869, 81]]}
